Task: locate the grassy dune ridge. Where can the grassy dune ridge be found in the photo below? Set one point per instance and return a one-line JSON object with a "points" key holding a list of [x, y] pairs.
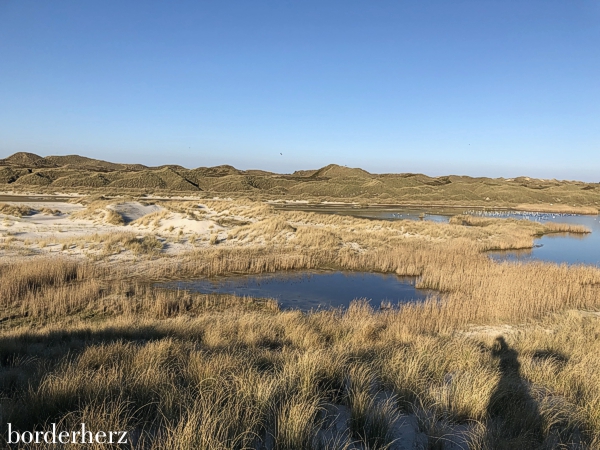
{"points": [[23, 172]]}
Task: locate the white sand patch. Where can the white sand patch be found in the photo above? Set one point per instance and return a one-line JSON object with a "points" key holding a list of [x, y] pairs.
{"points": [[176, 221], [58, 232], [42, 226], [131, 211]]}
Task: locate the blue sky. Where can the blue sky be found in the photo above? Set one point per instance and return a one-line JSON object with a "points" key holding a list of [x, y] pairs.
{"points": [[488, 88]]}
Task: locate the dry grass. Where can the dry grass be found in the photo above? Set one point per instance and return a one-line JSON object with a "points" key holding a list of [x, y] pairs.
{"points": [[99, 246], [152, 219], [557, 208], [535, 290], [213, 377], [97, 343], [551, 227], [113, 217], [99, 210], [525, 229], [50, 212], [15, 210], [240, 207], [247, 223], [536, 228], [116, 243]]}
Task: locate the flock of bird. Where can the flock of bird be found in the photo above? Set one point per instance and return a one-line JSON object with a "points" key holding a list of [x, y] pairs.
{"points": [[527, 215], [400, 216]]}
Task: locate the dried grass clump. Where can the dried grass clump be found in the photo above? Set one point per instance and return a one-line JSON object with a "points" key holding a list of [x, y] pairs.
{"points": [[28, 278], [519, 226], [551, 227], [272, 229], [15, 210], [152, 219], [143, 245], [184, 207], [50, 212], [113, 217], [100, 210], [94, 208], [118, 242], [244, 208], [230, 222], [371, 420]]}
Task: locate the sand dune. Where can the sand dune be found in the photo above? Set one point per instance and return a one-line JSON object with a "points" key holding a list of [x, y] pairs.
{"points": [[27, 171]]}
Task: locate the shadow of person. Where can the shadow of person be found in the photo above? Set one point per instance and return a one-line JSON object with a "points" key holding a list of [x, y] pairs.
{"points": [[514, 420]]}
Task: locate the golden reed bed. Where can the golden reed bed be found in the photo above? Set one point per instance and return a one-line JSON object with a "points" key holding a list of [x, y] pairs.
{"points": [[96, 343]]}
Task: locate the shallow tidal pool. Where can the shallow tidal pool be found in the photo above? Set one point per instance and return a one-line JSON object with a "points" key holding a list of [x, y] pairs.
{"points": [[311, 289]]}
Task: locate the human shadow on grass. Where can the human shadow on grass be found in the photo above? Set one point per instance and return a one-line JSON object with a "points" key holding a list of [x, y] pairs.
{"points": [[514, 419]]}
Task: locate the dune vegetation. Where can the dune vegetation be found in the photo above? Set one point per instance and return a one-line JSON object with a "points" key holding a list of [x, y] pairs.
{"points": [[502, 355], [24, 172]]}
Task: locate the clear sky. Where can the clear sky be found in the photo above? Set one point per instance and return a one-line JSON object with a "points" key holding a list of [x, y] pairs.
{"points": [[489, 88]]}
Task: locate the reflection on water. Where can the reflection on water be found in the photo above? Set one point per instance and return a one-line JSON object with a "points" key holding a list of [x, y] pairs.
{"points": [[311, 290], [406, 214]]}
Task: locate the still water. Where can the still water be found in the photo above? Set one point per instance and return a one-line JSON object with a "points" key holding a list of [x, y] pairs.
{"points": [[32, 198], [380, 213], [311, 290], [559, 248]]}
